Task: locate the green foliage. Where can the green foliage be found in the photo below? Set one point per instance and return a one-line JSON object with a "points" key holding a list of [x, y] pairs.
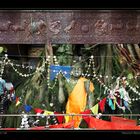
{"points": [[3, 49], [34, 90]]}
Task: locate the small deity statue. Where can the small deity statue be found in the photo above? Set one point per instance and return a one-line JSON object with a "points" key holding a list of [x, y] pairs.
{"points": [[80, 94]]}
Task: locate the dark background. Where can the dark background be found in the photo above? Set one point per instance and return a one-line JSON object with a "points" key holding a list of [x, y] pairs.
{"points": [[70, 5], [69, 135]]}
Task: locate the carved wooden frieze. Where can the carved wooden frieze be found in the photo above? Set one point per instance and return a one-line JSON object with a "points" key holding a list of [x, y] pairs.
{"points": [[76, 27]]}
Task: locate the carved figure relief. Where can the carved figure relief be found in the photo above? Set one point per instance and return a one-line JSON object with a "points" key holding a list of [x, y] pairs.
{"points": [[131, 26], [55, 27], [116, 26], [21, 27], [70, 26], [85, 28], [5, 26], [101, 27], [81, 28], [36, 28]]}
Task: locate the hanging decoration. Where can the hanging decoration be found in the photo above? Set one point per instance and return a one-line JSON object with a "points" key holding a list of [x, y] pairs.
{"points": [[7, 61], [53, 71], [24, 121], [17, 101], [52, 74], [119, 92], [95, 109], [48, 72], [38, 110], [108, 89], [27, 108]]}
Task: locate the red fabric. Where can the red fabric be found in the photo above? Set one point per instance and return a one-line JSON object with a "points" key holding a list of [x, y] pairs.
{"points": [[65, 125], [99, 124], [117, 126], [123, 121], [124, 124], [38, 110], [86, 118], [88, 111], [38, 128], [56, 126], [69, 124], [17, 99], [59, 118], [135, 128], [8, 128], [102, 104]]}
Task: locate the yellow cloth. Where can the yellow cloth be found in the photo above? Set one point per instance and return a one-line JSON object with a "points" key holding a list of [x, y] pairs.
{"points": [[48, 112], [94, 109], [17, 103], [115, 100], [77, 101]]}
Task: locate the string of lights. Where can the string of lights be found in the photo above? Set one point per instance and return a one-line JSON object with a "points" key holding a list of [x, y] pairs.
{"points": [[91, 65]]}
